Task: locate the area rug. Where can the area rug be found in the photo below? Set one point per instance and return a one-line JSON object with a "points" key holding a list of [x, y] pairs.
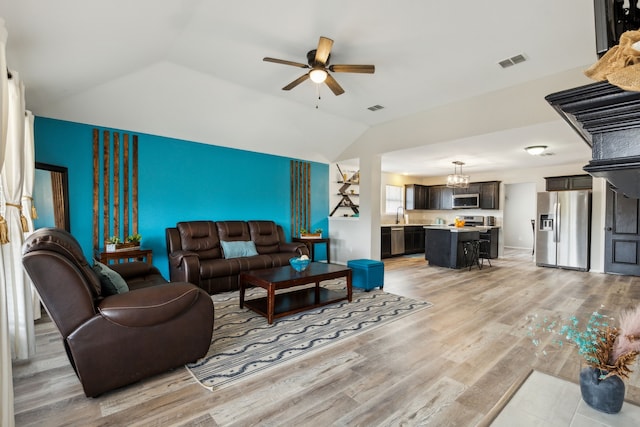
{"points": [[244, 344]]}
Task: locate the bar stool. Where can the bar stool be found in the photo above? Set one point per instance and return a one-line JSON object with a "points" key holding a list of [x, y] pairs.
{"points": [[471, 251], [484, 252]]}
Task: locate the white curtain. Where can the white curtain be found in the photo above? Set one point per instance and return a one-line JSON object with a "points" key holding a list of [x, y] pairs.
{"points": [[18, 289], [6, 378], [28, 206]]}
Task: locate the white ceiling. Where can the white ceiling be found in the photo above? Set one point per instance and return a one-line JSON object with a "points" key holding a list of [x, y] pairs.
{"points": [[193, 69]]}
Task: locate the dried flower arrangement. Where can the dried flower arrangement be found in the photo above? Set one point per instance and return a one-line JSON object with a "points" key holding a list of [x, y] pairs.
{"points": [[610, 349]]}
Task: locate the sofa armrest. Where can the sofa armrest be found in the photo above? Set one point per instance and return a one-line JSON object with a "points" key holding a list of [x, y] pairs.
{"points": [[297, 248], [149, 306], [132, 270], [184, 266]]}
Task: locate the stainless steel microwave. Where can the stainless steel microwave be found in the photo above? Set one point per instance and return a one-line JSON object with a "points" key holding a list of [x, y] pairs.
{"points": [[466, 201]]}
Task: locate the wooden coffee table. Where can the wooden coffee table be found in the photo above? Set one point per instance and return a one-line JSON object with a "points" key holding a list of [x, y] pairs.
{"points": [[273, 306]]}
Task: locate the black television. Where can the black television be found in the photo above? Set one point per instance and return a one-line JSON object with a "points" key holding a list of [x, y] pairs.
{"points": [[612, 18]]}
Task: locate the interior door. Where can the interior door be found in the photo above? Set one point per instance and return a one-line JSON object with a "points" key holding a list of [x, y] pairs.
{"points": [[622, 234]]}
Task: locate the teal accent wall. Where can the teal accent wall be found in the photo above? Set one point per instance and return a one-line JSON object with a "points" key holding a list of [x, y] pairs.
{"points": [[181, 181]]}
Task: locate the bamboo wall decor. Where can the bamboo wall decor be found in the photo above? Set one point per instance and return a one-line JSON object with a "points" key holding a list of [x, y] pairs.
{"points": [[115, 183], [300, 196]]}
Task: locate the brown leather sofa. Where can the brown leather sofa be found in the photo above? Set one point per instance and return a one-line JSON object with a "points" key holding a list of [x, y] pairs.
{"points": [[119, 339], [196, 254]]}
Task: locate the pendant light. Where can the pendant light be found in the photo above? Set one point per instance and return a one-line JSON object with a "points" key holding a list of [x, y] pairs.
{"points": [[457, 180]]}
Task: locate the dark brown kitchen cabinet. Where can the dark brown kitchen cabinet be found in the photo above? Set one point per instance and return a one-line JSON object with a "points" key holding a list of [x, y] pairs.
{"points": [[413, 239], [473, 188], [490, 195], [416, 196], [385, 242], [566, 183], [440, 197]]}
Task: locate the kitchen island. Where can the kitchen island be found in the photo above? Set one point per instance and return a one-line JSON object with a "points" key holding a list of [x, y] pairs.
{"points": [[444, 244]]}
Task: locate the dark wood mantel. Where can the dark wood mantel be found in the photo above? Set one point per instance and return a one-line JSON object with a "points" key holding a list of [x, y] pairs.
{"points": [[608, 119]]}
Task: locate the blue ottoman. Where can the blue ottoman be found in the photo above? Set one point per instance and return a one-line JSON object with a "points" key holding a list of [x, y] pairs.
{"points": [[366, 273]]}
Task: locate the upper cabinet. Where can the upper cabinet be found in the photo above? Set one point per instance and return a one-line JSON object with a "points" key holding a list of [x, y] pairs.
{"points": [[490, 195], [566, 183], [416, 196], [439, 197], [473, 188]]}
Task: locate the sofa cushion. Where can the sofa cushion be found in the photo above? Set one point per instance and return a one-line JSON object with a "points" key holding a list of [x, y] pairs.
{"points": [[238, 249], [230, 231], [200, 237], [60, 241], [257, 262], [219, 267], [265, 235], [111, 282]]}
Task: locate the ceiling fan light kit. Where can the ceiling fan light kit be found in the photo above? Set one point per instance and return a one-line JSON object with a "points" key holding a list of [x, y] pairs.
{"points": [[318, 75], [536, 150], [318, 62]]}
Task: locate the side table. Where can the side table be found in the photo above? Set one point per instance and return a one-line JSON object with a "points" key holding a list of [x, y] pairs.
{"points": [[311, 242], [137, 254]]}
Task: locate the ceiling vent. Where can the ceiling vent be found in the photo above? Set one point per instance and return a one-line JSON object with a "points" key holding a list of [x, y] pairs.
{"points": [[375, 107], [506, 63]]}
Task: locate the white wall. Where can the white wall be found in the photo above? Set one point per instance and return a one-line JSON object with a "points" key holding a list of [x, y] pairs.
{"points": [[355, 238], [519, 210]]}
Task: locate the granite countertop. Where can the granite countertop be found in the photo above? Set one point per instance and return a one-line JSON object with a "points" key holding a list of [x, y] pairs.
{"points": [[444, 226], [404, 225], [460, 229]]}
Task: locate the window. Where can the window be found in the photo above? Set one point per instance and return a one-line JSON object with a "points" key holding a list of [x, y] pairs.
{"points": [[393, 198]]}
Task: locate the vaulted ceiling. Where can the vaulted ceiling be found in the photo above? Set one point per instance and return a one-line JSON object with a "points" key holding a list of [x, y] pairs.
{"points": [[193, 70]]}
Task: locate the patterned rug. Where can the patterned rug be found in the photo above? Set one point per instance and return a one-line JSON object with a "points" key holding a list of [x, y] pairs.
{"points": [[244, 344]]}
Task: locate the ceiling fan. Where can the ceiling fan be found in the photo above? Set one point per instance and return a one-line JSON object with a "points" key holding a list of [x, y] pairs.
{"points": [[318, 62]]}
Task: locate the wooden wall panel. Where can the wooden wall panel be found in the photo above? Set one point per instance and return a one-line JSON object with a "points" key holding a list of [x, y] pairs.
{"points": [[115, 160], [96, 187], [300, 196]]}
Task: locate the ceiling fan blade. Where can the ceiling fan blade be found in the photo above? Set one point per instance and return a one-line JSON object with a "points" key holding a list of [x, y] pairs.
{"points": [[282, 61], [323, 50], [367, 69], [296, 82], [333, 85]]}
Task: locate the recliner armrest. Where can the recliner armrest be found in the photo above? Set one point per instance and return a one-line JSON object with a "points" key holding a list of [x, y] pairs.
{"points": [[149, 306], [130, 270], [178, 257], [184, 266]]}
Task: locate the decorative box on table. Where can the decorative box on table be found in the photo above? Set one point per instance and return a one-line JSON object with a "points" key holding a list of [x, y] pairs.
{"points": [[366, 273]]}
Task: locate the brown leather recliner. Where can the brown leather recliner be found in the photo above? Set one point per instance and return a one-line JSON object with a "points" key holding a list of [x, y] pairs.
{"points": [[116, 340]]}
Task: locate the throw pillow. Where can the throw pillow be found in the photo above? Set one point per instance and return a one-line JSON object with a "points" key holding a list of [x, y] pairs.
{"points": [[111, 282], [238, 249]]}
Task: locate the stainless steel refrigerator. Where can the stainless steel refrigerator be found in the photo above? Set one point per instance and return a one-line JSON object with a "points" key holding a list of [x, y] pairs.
{"points": [[563, 229]]}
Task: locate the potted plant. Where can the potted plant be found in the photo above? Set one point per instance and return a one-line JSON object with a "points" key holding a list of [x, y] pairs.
{"points": [[134, 238], [317, 233], [111, 243], [607, 350]]}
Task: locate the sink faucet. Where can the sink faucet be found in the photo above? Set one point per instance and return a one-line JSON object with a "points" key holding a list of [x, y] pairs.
{"points": [[397, 212]]}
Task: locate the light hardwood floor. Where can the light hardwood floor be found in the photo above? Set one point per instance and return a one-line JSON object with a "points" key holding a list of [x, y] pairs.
{"points": [[445, 366]]}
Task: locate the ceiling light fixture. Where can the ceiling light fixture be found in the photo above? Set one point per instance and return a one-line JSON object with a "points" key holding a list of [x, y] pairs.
{"points": [[457, 180], [535, 150], [318, 75]]}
